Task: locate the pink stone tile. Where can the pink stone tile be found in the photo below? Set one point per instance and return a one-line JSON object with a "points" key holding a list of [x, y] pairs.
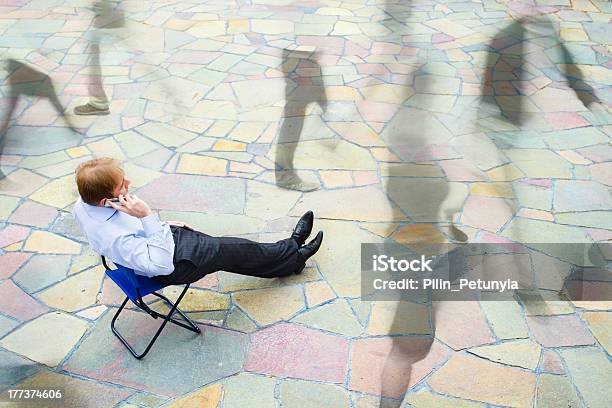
{"points": [[409, 51], [42, 113], [354, 49], [559, 331], [16, 303], [440, 37], [546, 183], [487, 213], [385, 48], [34, 214], [551, 362], [10, 262], [602, 173], [131, 122], [535, 214], [210, 281], [565, 120], [376, 111], [12, 234], [364, 178], [389, 366], [7, 160], [600, 234], [371, 69], [290, 350], [462, 170], [461, 324]]}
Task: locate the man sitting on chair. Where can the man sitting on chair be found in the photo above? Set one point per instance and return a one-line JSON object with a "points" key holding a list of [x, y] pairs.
{"points": [[128, 233]]}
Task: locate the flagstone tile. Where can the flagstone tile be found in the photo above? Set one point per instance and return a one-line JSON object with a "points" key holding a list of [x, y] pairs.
{"points": [[520, 353], [399, 318], [58, 193], [479, 380], [461, 324], [540, 163], [589, 369], [390, 366], [557, 331], [12, 234], [423, 399], [581, 196], [76, 292], [166, 135], [249, 390], [47, 242], [21, 183], [216, 353], [354, 204], [318, 293], [16, 303], [505, 317], [195, 193], [61, 331], [206, 397], [303, 394], [358, 133], [336, 317], [11, 262], [554, 390], [290, 350], [551, 362], [41, 271], [600, 324], [270, 305], [198, 300], [34, 214], [488, 213], [14, 369]]}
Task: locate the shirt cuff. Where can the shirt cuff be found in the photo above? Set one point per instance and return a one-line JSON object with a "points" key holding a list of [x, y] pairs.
{"points": [[151, 225]]}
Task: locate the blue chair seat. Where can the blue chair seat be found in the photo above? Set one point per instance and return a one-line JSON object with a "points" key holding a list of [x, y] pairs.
{"points": [[135, 287], [132, 283]]}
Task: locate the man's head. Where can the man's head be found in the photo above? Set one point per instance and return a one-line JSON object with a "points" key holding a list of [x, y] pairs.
{"points": [[99, 179]]}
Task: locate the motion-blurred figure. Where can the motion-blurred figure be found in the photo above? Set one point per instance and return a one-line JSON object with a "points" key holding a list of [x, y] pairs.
{"points": [[25, 80], [310, 89], [107, 15]]}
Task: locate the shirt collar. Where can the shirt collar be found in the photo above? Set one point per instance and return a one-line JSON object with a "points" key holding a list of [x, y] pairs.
{"points": [[99, 213]]}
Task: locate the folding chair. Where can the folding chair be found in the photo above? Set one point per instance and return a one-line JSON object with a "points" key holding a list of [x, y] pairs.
{"points": [[136, 287]]}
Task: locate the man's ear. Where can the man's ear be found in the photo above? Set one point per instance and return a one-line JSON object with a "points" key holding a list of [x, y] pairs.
{"points": [[102, 202]]}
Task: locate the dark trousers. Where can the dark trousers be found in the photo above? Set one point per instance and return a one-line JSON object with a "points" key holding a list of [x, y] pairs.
{"points": [[197, 254]]}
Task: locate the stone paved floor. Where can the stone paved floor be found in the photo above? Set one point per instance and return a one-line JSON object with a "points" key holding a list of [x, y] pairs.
{"points": [[425, 121]]}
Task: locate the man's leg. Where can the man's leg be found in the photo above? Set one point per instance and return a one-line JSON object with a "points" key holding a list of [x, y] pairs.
{"points": [[264, 260]]}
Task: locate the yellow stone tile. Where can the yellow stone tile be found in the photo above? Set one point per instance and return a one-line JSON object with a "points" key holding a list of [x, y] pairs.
{"points": [[269, 134], [574, 34], [342, 93], [382, 229], [50, 243], [507, 172], [207, 397], [193, 164], [248, 131], [336, 178], [492, 189], [178, 25], [419, 233], [13, 247], [387, 93], [456, 55], [58, 193], [318, 292], [77, 152], [229, 146], [384, 155], [357, 132], [237, 26]]}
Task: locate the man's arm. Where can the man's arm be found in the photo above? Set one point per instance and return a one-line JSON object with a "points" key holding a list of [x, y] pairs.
{"points": [[152, 254]]}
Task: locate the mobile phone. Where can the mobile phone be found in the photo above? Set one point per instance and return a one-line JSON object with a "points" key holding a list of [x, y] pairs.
{"points": [[114, 200]]}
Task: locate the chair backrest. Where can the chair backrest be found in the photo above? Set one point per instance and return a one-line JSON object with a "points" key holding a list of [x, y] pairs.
{"points": [[133, 285]]}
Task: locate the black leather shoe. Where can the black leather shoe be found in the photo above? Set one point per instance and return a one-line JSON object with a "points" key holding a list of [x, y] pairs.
{"points": [[311, 248], [303, 228]]}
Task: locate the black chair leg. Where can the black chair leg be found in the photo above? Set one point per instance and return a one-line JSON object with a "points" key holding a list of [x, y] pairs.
{"points": [[191, 325]]}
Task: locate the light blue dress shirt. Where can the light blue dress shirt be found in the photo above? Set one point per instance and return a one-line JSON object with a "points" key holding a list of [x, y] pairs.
{"points": [[144, 245]]}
